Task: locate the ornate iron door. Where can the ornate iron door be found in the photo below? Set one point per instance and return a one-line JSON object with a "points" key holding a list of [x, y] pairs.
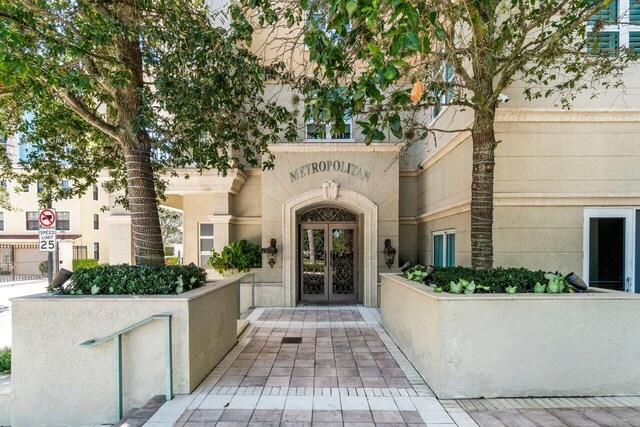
{"points": [[313, 262], [328, 262], [342, 262]]}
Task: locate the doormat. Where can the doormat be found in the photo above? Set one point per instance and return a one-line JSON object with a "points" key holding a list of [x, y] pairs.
{"points": [[291, 340]]}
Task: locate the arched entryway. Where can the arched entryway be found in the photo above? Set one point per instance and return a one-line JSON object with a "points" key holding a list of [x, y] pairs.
{"points": [[327, 255], [348, 200]]}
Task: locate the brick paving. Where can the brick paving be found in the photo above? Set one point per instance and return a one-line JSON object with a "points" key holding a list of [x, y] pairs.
{"points": [[320, 366], [554, 412], [336, 366]]}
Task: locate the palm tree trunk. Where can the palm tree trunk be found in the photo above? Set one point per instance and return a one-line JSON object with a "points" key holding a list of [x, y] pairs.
{"points": [[484, 145], [143, 205]]}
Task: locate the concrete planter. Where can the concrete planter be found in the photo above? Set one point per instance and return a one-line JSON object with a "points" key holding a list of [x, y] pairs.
{"points": [[471, 346], [56, 381]]}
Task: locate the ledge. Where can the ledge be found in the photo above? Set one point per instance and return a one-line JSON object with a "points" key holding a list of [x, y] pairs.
{"points": [[593, 294], [211, 286]]}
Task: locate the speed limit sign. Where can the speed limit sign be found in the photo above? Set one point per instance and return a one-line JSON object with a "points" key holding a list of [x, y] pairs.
{"points": [[47, 230], [47, 239]]}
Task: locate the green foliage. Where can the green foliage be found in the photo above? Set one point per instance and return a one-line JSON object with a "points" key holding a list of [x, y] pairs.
{"points": [[239, 256], [84, 263], [172, 260], [171, 226], [65, 86], [417, 273], [5, 360], [126, 279], [458, 280], [43, 267], [163, 84], [556, 283]]}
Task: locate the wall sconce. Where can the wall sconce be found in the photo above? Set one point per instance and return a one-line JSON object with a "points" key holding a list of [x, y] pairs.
{"points": [[389, 253], [271, 252]]}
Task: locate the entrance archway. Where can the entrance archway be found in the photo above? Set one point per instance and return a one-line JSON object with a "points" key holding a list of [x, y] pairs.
{"points": [[328, 255], [345, 199]]}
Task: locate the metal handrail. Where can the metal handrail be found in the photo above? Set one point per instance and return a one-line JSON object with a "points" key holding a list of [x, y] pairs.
{"points": [[253, 290], [117, 340]]}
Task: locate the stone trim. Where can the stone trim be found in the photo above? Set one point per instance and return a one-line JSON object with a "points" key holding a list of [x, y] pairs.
{"points": [[334, 147], [592, 115], [348, 199], [208, 181], [532, 199]]}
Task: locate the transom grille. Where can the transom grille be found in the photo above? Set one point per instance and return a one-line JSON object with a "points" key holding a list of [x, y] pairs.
{"points": [[328, 214]]}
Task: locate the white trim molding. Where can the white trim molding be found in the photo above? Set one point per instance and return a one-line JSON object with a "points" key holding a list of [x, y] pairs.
{"points": [[591, 115], [347, 199]]}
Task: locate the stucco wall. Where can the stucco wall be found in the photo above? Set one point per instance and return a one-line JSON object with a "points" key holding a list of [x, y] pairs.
{"points": [[470, 346], [550, 165], [56, 381]]}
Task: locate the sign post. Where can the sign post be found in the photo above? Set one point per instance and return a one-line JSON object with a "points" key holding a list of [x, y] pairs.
{"points": [[47, 236]]}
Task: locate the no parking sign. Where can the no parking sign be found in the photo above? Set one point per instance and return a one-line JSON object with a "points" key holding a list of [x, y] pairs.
{"points": [[47, 230]]}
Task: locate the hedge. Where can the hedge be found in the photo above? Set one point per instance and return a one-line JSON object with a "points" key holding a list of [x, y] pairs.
{"points": [[494, 280], [79, 264], [5, 360], [126, 279]]}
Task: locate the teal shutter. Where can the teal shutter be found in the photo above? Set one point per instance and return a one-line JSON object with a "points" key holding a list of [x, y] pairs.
{"points": [[634, 12], [438, 250], [606, 15], [634, 41], [605, 42], [451, 250]]}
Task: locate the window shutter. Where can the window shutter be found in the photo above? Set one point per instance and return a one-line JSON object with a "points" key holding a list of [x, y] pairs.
{"points": [[438, 250], [634, 12], [603, 43], [634, 41], [451, 250], [608, 14]]}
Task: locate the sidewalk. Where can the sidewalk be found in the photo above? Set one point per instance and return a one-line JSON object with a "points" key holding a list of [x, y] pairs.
{"points": [[346, 371], [10, 290], [336, 366]]}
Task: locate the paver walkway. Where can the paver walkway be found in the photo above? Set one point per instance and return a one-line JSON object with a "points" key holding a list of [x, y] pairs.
{"points": [[326, 366], [312, 366]]}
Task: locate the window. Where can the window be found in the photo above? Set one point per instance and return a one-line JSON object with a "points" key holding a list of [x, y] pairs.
{"points": [[96, 222], [1, 221], [65, 186], [317, 16], [3, 183], [618, 26], [25, 188], [96, 250], [40, 187], [315, 131], [443, 96], [444, 249], [206, 243], [63, 221], [95, 192], [32, 220]]}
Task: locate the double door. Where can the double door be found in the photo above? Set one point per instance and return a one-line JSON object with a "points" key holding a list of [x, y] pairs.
{"points": [[328, 262]]}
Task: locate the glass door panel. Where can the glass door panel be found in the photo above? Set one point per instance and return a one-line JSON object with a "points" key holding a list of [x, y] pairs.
{"points": [[343, 263], [609, 246], [313, 262], [607, 254]]}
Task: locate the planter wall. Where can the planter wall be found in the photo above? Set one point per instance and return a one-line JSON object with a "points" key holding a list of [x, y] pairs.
{"points": [[56, 381], [471, 346]]}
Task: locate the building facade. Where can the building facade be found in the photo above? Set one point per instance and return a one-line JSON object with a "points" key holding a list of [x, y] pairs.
{"points": [[567, 195]]}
